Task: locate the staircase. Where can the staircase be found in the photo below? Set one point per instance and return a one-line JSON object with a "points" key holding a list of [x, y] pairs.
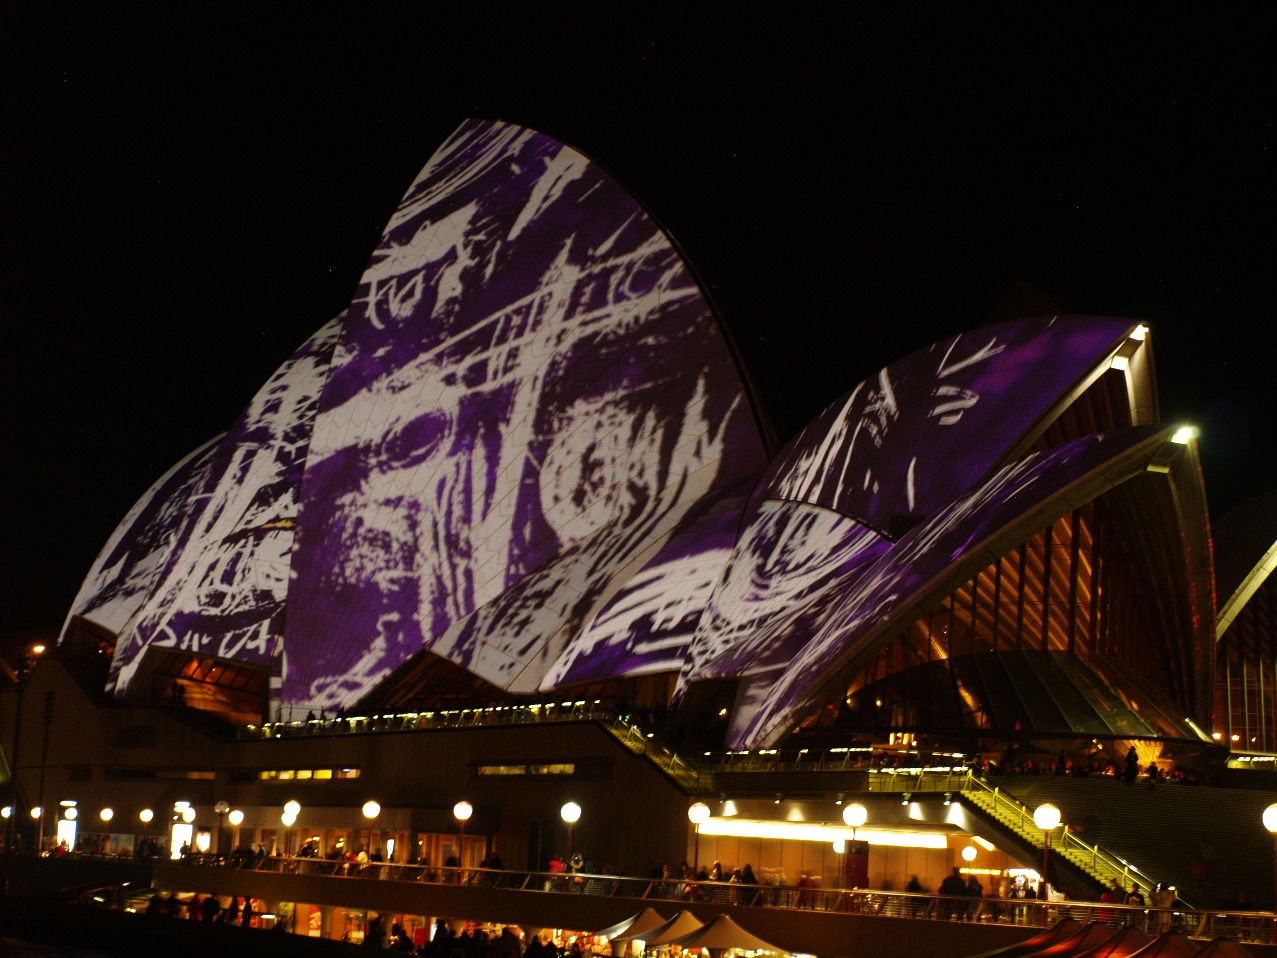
{"points": [[638, 742], [1100, 866], [1179, 834]]}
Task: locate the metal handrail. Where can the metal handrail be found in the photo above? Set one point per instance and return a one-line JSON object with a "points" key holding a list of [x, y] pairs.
{"points": [[1113, 865], [1246, 926]]}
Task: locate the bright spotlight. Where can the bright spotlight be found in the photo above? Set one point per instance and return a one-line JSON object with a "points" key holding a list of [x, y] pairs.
{"points": [[1046, 817], [855, 815], [1185, 434]]}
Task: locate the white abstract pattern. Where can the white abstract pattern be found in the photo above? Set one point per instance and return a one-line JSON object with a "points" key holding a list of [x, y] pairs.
{"points": [[788, 565], [224, 584], [944, 545], [527, 449], [529, 396], [132, 559]]}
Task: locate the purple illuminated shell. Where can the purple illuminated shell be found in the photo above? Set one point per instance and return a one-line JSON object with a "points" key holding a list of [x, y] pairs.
{"points": [[529, 398], [224, 583]]}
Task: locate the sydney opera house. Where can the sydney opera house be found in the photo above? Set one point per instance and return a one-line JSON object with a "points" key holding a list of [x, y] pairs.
{"points": [[525, 470]]}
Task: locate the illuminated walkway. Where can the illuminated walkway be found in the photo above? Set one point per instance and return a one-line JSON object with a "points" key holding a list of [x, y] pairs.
{"points": [[803, 920]]}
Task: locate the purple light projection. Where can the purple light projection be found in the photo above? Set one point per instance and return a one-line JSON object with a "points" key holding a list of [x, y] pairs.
{"points": [[127, 566], [529, 397], [526, 448], [950, 544], [790, 563], [225, 580], [900, 445], [647, 627], [905, 442]]}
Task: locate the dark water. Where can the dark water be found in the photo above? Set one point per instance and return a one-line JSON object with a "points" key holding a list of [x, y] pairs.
{"points": [[15, 948]]}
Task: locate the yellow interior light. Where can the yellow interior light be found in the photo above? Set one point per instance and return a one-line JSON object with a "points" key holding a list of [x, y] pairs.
{"points": [[828, 834]]}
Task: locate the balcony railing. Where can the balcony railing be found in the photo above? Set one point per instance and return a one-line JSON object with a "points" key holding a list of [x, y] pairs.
{"points": [[1246, 926]]}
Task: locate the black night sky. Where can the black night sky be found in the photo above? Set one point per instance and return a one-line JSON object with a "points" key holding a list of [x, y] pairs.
{"points": [[190, 191]]}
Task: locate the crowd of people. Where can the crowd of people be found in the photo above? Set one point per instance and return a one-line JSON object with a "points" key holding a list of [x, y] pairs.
{"points": [[683, 881], [207, 909], [1130, 770]]}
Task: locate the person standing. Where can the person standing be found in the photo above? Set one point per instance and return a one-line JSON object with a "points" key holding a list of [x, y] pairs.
{"points": [[1111, 894], [1135, 897], [952, 888], [975, 891], [1163, 899], [1132, 766]]}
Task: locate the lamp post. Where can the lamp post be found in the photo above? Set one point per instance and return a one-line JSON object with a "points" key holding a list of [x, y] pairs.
{"points": [[370, 810], [29, 657], [571, 814], [461, 812], [236, 818], [146, 816], [853, 816], [1270, 823], [697, 815], [1046, 817], [289, 818], [221, 808]]}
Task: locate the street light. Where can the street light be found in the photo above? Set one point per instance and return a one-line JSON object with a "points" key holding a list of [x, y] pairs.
{"points": [[571, 814], [221, 808], [1046, 817], [288, 819], [697, 815], [25, 665], [1270, 823], [106, 814], [854, 816], [236, 818], [371, 810], [461, 812]]}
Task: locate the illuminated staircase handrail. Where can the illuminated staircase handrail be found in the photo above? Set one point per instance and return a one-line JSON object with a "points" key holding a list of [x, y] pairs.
{"points": [[1102, 864]]}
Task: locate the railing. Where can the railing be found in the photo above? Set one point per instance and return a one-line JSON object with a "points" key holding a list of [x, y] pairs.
{"points": [[498, 715], [632, 730], [927, 772], [627, 733], [1246, 926], [645, 743], [1109, 865]]}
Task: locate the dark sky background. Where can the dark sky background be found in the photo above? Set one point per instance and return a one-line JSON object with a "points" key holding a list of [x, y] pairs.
{"points": [[189, 193]]}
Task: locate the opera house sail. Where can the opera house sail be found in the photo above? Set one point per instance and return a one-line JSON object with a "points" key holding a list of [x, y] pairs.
{"points": [[525, 461]]}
